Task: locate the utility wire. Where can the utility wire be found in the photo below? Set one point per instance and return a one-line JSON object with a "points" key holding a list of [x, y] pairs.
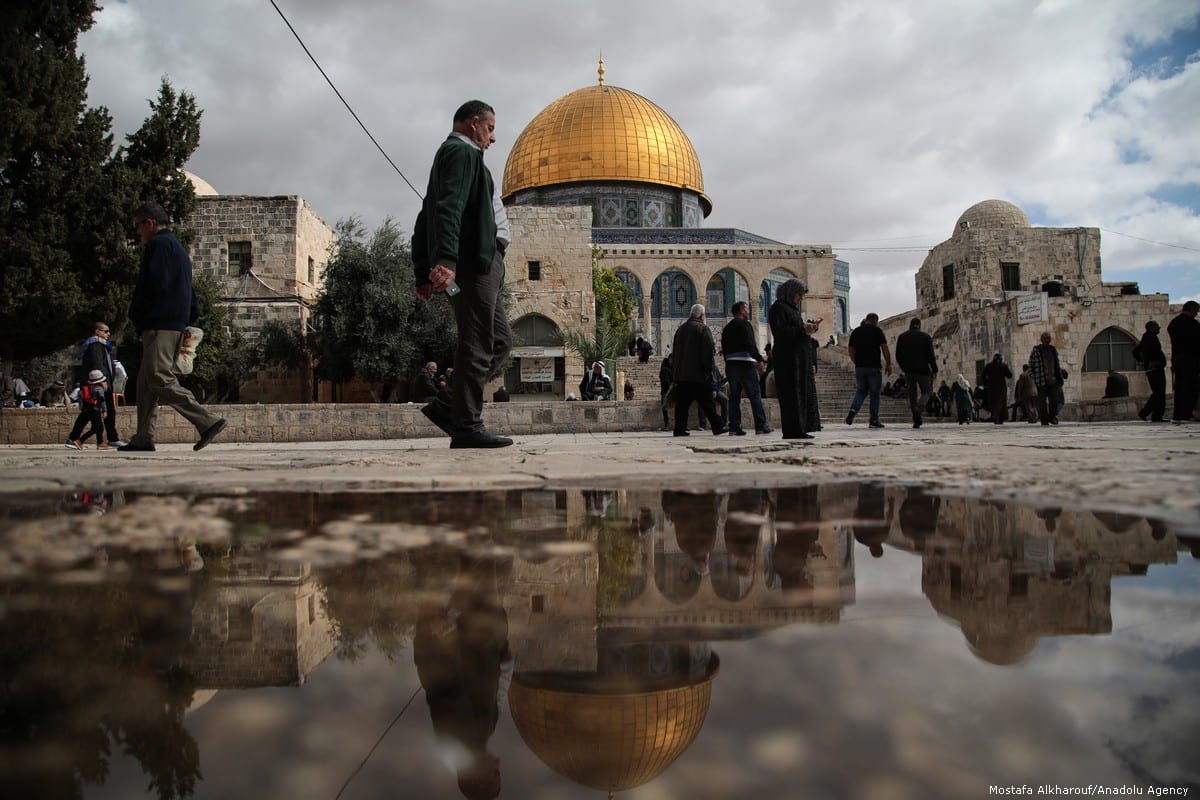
{"points": [[1151, 241], [366, 758], [347, 105]]}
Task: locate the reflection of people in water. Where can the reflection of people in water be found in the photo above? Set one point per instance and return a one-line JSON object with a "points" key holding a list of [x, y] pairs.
{"points": [[797, 519], [870, 527], [919, 515], [459, 649], [741, 531], [695, 519]]}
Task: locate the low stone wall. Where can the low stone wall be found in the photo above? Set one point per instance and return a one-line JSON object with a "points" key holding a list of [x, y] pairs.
{"points": [[327, 422], [342, 421]]}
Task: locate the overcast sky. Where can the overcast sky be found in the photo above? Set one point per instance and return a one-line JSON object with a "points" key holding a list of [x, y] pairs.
{"points": [[864, 124]]}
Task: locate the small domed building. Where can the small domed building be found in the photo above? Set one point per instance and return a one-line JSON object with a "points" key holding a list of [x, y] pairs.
{"points": [[604, 172], [998, 283]]}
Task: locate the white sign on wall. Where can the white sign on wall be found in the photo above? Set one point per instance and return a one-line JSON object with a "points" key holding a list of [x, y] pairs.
{"points": [[537, 370], [1032, 308]]}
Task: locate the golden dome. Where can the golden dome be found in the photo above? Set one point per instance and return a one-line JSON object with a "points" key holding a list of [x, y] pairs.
{"points": [[608, 741], [603, 133]]}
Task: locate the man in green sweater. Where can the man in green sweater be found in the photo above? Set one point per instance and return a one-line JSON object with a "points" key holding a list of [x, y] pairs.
{"points": [[458, 248]]}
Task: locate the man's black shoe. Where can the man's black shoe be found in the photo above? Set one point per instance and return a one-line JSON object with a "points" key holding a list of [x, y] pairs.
{"points": [[737, 432], [210, 434], [761, 431], [800, 436], [1054, 420], [850, 417], [479, 439], [135, 448], [439, 415], [876, 424], [681, 433], [718, 431]]}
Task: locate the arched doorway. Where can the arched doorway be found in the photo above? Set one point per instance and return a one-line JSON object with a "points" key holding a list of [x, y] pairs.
{"points": [[538, 361], [671, 301]]}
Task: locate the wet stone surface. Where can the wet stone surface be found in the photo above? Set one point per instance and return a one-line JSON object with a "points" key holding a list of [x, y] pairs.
{"points": [[811, 639]]}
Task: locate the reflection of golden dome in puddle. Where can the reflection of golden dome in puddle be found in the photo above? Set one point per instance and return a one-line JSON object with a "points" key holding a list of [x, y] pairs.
{"points": [[1001, 649], [610, 741], [603, 133]]}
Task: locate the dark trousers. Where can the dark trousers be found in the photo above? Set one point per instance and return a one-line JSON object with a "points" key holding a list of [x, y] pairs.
{"points": [[743, 377], [1156, 406], [920, 388], [685, 393], [88, 414], [1187, 387], [484, 341], [110, 420], [1049, 398]]}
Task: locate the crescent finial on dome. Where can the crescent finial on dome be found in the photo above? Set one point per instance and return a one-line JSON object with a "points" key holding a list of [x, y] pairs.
{"points": [[601, 69]]}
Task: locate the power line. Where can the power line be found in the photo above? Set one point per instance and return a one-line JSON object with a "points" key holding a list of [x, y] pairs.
{"points": [[1152, 241], [339, 95]]}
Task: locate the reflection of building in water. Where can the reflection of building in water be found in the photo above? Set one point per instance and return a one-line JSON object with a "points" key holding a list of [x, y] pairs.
{"points": [[1009, 575], [263, 623], [613, 665]]}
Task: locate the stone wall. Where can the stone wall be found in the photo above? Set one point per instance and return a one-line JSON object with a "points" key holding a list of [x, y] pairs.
{"points": [[356, 421]]}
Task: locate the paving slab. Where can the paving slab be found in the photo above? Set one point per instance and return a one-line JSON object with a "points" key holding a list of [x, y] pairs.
{"points": [[1145, 468]]}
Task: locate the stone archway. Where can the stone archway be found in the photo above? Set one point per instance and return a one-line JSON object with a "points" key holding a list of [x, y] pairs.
{"points": [[538, 368]]}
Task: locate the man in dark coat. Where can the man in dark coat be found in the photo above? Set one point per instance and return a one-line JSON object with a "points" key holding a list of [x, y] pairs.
{"points": [[995, 382], [163, 305], [693, 353], [1184, 331], [458, 247], [1150, 353], [743, 364], [1047, 374], [97, 354], [915, 356]]}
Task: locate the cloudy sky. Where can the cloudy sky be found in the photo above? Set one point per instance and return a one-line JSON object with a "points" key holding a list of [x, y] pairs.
{"points": [[867, 125]]}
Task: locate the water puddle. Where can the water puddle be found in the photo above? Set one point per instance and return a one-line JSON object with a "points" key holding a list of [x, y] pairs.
{"points": [[837, 640]]}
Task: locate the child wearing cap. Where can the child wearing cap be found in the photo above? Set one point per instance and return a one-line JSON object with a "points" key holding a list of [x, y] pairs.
{"points": [[91, 409]]}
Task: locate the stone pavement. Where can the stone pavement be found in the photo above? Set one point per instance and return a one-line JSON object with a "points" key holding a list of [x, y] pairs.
{"points": [[1133, 467]]}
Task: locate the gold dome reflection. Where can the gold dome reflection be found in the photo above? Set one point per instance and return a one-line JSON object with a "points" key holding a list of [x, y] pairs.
{"points": [[603, 133], [610, 740]]}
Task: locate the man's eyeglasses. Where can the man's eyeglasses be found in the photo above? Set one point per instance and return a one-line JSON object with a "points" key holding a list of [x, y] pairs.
{"points": [[102, 330]]}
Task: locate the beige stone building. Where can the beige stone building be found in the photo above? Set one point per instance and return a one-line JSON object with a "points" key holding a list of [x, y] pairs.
{"points": [[604, 167], [268, 255], [997, 283]]}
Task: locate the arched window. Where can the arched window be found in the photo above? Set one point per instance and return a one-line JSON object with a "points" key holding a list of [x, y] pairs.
{"points": [[534, 329], [680, 294], [714, 297], [1111, 349]]}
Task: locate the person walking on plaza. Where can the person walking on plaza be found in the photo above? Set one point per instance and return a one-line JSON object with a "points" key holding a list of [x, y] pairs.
{"points": [[1150, 353], [1047, 375], [995, 382], [915, 356], [1025, 396], [666, 376], [869, 352], [163, 305], [91, 410], [743, 365], [795, 385], [693, 354], [1184, 331], [458, 247], [96, 354]]}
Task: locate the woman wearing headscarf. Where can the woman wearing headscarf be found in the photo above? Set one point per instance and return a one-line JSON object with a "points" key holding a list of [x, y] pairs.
{"points": [[962, 399], [792, 356]]}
